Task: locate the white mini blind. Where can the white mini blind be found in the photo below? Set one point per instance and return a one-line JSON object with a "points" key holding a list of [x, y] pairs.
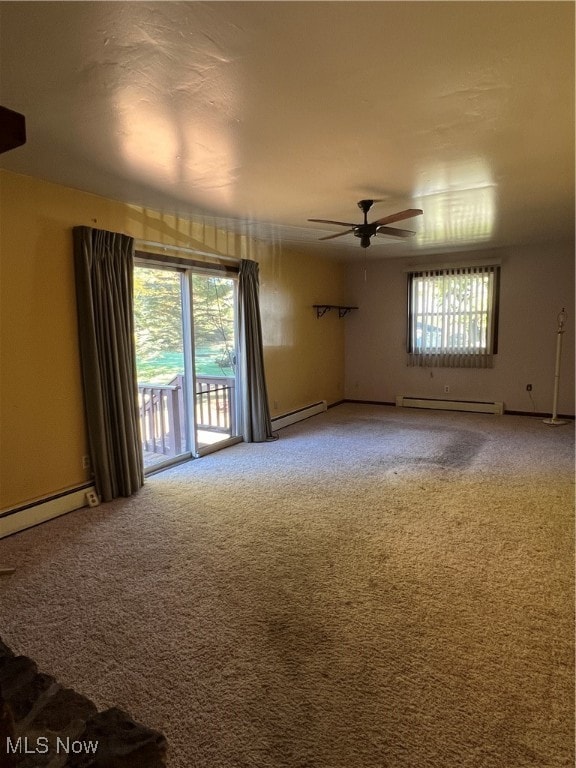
{"points": [[452, 316]]}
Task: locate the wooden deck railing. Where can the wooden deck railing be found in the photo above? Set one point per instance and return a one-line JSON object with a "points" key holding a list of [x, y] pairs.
{"points": [[215, 404], [162, 417], [162, 412]]}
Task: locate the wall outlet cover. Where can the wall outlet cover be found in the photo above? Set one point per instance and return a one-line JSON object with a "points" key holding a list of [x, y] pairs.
{"points": [[92, 499]]}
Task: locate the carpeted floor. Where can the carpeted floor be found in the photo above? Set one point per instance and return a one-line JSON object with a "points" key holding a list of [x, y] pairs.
{"points": [[380, 588]]}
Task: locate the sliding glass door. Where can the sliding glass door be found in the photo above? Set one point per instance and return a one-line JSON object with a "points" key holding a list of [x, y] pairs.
{"points": [[186, 361], [214, 360], [160, 362]]}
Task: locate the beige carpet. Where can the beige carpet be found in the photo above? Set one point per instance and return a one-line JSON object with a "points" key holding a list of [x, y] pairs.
{"points": [[380, 588]]}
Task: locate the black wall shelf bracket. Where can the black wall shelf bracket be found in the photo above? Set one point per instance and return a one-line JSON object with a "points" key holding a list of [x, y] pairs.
{"points": [[321, 309]]}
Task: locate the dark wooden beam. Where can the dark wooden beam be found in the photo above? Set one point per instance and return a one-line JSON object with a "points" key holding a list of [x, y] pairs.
{"points": [[12, 130]]}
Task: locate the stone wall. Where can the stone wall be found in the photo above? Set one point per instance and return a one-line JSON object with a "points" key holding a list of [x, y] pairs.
{"points": [[43, 725]]}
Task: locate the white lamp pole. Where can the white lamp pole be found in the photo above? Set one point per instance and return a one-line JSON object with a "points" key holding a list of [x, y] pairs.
{"points": [[555, 421]]}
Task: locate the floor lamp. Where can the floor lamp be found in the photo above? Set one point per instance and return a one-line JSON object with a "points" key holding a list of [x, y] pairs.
{"points": [[555, 421]]}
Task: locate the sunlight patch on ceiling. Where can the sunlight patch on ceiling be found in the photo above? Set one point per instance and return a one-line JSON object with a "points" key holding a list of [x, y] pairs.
{"points": [[148, 140], [173, 154], [458, 201]]}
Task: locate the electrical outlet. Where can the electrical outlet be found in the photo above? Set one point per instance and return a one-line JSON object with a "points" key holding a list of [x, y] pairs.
{"points": [[85, 462], [528, 387], [446, 388], [92, 499]]}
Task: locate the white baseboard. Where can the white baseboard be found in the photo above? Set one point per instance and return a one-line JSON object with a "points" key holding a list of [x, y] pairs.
{"points": [[20, 518], [450, 405], [302, 413]]}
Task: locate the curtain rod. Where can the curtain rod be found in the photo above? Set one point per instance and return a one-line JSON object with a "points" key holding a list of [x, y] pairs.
{"points": [[184, 249]]}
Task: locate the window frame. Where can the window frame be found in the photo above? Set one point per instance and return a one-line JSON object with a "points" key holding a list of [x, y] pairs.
{"points": [[434, 270]]}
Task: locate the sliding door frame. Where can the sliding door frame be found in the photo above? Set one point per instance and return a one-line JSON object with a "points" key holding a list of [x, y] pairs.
{"points": [[187, 269], [203, 450]]}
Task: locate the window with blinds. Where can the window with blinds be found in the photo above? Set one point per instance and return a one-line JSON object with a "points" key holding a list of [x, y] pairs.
{"points": [[452, 316]]}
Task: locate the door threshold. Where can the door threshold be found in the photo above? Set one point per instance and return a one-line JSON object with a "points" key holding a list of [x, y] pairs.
{"points": [[206, 449], [162, 465]]}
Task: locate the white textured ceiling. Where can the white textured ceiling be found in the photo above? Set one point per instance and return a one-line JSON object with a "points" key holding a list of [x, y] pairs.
{"points": [[264, 114]]}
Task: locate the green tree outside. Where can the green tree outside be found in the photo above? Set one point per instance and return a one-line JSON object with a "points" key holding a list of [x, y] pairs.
{"points": [[158, 325]]}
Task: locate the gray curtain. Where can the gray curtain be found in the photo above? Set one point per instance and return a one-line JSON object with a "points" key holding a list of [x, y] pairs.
{"points": [[103, 263], [255, 424]]}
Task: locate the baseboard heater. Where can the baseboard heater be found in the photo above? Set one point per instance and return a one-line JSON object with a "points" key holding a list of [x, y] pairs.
{"points": [[279, 422], [41, 510], [476, 406]]}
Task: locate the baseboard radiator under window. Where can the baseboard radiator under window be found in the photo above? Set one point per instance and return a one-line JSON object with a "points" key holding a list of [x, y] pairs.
{"points": [[302, 413], [450, 405]]}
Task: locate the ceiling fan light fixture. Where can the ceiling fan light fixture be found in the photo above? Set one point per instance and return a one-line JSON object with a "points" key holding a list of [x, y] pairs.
{"points": [[364, 240]]}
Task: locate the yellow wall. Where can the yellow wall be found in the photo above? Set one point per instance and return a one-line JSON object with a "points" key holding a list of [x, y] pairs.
{"points": [[304, 354], [42, 433]]}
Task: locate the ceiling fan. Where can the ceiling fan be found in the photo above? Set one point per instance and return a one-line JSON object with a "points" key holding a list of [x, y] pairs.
{"points": [[367, 230]]}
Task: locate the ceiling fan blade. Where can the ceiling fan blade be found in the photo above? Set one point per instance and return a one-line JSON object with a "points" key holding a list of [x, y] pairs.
{"points": [[394, 231], [407, 214], [338, 234], [328, 221]]}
